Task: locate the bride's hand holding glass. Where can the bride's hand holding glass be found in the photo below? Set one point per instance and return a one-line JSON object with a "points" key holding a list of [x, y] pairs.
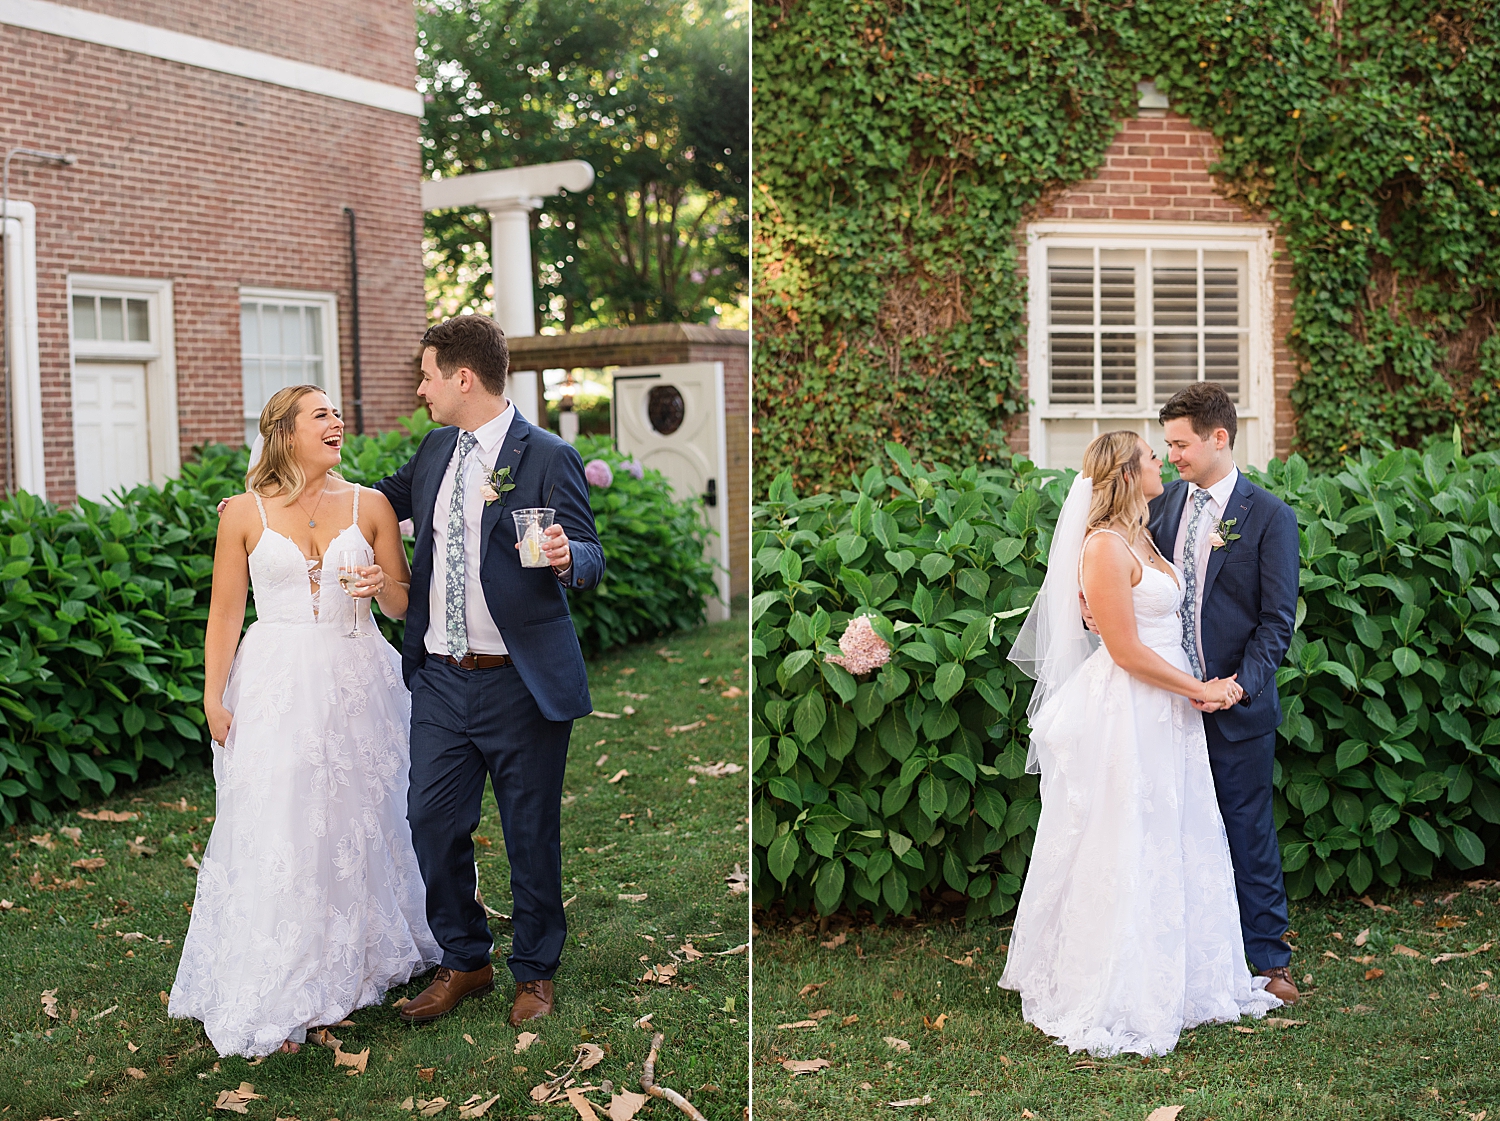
{"points": [[362, 581]]}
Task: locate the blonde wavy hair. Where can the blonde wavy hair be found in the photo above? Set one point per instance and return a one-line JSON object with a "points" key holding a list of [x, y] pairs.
{"points": [[1112, 461], [277, 471]]}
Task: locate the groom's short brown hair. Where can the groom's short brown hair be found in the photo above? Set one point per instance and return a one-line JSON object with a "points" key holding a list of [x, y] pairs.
{"points": [[1207, 405], [475, 341]]}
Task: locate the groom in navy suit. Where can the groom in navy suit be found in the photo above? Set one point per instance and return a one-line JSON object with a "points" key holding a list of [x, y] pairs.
{"points": [[1237, 547], [494, 666]]}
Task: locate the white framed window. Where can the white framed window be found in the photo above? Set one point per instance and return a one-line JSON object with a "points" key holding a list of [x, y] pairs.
{"points": [[124, 383], [1123, 315], [286, 338]]}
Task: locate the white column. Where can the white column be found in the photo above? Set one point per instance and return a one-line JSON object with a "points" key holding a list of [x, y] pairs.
{"points": [[510, 266], [21, 327]]}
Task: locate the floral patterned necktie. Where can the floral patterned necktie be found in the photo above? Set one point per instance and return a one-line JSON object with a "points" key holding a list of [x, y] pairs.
{"points": [[1190, 585], [458, 629]]}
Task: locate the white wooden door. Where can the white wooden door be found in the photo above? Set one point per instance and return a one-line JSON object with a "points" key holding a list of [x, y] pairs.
{"points": [[671, 418], [111, 431]]}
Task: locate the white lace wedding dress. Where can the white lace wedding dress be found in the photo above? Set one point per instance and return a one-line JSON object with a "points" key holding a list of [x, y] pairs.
{"points": [[309, 902], [1128, 930]]}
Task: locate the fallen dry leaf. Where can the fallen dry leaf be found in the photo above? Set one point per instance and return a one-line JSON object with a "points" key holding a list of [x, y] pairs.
{"points": [[433, 1107], [925, 1099], [1405, 951], [1370, 903], [796, 1024], [49, 1002], [469, 1039], [897, 1044], [132, 1048], [358, 1061], [426, 1073], [691, 952], [44, 841], [1362, 937], [108, 815], [237, 1101], [135, 1072], [130, 935], [716, 770], [1371, 974], [582, 1105], [72, 833], [1455, 956], [1278, 1022], [804, 1066], [89, 864], [189, 861], [852, 1018], [811, 988], [645, 1021], [477, 1109], [1448, 922], [1444, 900], [623, 898], [836, 941], [935, 1025], [401, 1002], [660, 974], [325, 1038], [605, 715], [1241, 1030], [732, 692], [525, 1040], [590, 1055], [106, 1012], [625, 1105], [6, 904], [1164, 1113], [618, 775], [693, 727], [737, 881]]}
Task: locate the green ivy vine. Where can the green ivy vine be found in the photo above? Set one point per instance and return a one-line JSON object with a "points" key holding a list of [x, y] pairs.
{"points": [[900, 146]]}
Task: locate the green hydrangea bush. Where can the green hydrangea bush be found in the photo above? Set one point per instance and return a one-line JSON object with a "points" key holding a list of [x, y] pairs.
{"points": [[908, 782], [101, 630]]}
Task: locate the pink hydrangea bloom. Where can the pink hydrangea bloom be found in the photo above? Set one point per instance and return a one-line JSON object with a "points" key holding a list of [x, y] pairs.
{"points": [[863, 650], [635, 468], [597, 472]]}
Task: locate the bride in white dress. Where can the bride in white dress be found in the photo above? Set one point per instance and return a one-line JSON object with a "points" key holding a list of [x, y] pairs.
{"points": [[1128, 929], [309, 902]]}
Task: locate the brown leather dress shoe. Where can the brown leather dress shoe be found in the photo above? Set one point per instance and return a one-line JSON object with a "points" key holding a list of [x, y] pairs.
{"points": [[533, 1001], [448, 987], [1280, 985]]}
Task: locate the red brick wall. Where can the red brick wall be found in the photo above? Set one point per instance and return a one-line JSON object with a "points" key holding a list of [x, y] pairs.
{"points": [[1156, 170], [372, 39], [214, 182]]}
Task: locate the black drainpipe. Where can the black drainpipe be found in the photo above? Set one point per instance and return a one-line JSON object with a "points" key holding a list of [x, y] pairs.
{"points": [[359, 396]]}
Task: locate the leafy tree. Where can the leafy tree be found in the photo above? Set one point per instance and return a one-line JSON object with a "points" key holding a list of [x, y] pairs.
{"points": [[653, 94]]}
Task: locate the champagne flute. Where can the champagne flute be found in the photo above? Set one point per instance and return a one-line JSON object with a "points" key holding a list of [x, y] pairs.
{"points": [[349, 562]]}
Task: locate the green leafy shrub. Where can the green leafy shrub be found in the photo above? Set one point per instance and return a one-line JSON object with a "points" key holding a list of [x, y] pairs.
{"points": [[101, 630], [656, 573], [870, 792]]}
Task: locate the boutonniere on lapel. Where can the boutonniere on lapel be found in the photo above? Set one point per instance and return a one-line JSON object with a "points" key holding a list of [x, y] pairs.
{"points": [[496, 485], [1220, 535]]}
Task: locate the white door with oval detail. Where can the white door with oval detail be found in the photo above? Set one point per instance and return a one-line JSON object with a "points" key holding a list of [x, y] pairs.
{"points": [[671, 418]]}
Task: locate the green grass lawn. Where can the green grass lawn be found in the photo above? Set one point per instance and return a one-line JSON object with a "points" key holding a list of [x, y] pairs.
{"points": [[1417, 1041], [663, 832]]}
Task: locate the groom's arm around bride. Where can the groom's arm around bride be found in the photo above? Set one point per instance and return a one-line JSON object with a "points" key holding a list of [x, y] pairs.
{"points": [[496, 673]]}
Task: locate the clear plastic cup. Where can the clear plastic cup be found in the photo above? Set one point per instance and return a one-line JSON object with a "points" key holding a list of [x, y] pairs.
{"points": [[530, 526]]}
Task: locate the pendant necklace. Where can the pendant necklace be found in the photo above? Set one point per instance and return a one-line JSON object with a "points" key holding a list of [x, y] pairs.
{"points": [[312, 518]]}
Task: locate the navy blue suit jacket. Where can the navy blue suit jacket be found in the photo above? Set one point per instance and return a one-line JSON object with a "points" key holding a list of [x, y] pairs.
{"points": [[528, 604], [1249, 598]]}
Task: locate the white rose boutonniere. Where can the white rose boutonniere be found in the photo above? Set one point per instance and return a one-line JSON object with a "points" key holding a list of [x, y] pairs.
{"points": [[1220, 535]]}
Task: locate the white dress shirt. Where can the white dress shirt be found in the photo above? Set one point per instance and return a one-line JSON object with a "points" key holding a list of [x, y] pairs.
{"points": [[1213, 510], [484, 635]]}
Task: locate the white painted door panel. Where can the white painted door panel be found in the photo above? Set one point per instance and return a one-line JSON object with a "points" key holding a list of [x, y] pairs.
{"points": [[111, 430], [671, 418]]}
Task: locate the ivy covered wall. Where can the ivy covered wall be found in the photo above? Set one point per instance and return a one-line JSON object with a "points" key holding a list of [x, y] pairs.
{"points": [[900, 147]]}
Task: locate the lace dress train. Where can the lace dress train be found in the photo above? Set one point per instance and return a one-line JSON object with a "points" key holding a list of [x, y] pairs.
{"points": [[309, 903]]}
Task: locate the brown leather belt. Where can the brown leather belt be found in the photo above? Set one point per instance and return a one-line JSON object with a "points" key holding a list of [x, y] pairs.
{"points": [[477, 661]]}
